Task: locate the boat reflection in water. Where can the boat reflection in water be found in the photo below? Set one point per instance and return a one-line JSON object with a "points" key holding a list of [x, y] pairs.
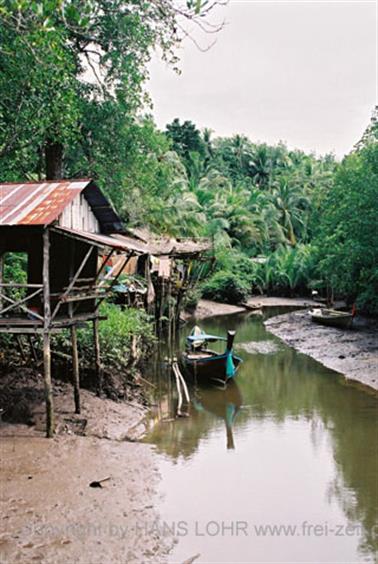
{"points": [[180, 436], [224, 403]]}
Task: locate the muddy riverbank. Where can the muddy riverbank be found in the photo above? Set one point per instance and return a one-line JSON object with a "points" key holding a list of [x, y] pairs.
{"points": [[353, 353], [49, 511]]}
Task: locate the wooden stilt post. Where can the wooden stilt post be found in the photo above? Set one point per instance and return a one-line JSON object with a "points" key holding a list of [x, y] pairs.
{"points": [[46, 336], [99, 371], [75, 368], [1, 275], [170, 347], [75, 354]]}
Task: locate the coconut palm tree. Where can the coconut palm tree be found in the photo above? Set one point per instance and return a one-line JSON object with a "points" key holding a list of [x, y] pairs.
{"points": [[231, 203], [260, 166], [291, 205], [208, 144]]}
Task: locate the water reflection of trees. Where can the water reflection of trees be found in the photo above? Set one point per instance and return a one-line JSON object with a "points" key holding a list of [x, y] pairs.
{"points": [[352, 426], [290, 385]]}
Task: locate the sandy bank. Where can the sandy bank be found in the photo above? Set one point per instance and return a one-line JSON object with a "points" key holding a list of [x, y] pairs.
{"points": [[353, 353], [207, 308], [49, 511], [277, 301]]}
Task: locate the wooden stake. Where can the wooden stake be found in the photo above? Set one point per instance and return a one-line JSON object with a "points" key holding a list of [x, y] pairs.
{"points": [[46, 336], [21, 347], [99, 371], [75, 368], [32, 348]]}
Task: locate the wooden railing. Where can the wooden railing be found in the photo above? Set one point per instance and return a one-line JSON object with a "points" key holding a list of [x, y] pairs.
{"points": [[12, 305]]}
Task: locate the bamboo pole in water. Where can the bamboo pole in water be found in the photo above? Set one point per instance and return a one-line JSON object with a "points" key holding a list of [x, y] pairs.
{"points": [[178, 390], [185, 388], [180, 382]]}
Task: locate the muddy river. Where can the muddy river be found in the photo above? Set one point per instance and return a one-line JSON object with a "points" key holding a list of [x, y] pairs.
{"points": [[280, 467]]}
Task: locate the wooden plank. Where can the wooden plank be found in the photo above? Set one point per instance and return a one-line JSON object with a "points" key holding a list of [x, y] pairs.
{"points": [[27, 330], [91, 279], [11, 285], [9, 321], [67, 322], [21, 330]]}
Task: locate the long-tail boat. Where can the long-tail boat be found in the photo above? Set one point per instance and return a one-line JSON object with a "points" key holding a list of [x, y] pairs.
{"points": [[332, 317], [204, 364]]}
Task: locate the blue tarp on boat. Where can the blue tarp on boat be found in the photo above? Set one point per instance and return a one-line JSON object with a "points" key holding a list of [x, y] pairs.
{"points": [[205, 337]]}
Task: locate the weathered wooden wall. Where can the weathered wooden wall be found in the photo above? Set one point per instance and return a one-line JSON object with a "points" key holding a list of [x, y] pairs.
{"points": [[79, 216]]}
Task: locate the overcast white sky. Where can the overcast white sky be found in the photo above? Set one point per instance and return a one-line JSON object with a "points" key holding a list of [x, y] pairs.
{"points": [[299, 71]]}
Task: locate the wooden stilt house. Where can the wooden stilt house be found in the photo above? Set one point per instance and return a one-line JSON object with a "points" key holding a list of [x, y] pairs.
{"points": [[62, 227], [69, 234]]}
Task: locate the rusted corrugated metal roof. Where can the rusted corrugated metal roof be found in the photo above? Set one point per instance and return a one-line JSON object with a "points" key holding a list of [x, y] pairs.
{"points": [[37, 203], [41, 203]]}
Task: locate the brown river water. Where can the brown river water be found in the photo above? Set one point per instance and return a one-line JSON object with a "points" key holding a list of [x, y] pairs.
{"points": [[281, 467]]}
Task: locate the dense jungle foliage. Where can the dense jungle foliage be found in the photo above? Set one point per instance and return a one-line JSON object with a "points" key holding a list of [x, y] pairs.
{"points": [[72, 102]]}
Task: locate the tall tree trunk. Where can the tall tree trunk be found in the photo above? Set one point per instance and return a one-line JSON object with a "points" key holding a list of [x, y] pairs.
{"points": [[54, 160]]}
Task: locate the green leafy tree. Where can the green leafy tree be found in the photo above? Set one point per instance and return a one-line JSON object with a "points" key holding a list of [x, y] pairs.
{"points": [[186, 139], [348, 234], [65, 63]]}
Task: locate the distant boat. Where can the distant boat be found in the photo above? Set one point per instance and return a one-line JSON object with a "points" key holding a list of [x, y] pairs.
{"points": [[332, 317], [204, 364]]}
